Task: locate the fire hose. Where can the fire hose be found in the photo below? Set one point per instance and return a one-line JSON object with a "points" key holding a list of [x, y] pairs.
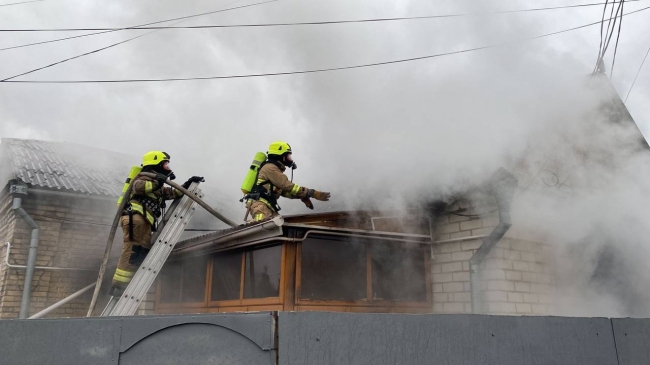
{"points": [[118, 215]]}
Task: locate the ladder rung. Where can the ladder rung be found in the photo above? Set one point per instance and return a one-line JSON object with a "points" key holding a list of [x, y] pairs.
{"points": [[164, 243]]}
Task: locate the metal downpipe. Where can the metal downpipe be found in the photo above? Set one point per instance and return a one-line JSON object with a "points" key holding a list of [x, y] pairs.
{"points": [[31, 258], [503, 185]]}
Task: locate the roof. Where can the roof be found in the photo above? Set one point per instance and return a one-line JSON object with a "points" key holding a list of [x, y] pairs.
{"points": [[259, 233], [64, 166]]}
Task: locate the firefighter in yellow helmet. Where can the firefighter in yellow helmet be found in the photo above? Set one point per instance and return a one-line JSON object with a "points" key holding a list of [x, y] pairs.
{"points": [[273, 183], [146, 204]]}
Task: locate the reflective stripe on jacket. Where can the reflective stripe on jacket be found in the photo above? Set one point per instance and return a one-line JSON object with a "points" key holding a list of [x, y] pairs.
{"points": [[146, 187], [271, 174]]}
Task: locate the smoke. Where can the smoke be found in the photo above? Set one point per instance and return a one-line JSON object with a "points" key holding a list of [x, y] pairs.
{"points": [[381, 137]]}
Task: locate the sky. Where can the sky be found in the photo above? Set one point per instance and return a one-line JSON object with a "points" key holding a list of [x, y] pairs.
{"points": [[377, 136], [448, 112]]}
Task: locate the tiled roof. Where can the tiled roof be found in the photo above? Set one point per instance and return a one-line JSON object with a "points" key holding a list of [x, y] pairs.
{"points": [[65, 166]]}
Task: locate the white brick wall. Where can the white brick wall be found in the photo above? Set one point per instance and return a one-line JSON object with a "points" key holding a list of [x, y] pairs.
{"points": [[515, 277]]}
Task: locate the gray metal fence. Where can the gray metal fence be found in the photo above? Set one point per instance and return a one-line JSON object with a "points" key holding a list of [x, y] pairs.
{"points": [[184, 339], [358, 339], [320, 338]]}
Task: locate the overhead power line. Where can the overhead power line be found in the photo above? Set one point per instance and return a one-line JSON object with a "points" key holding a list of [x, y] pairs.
{"points": [[105, 47], [637, 75], [606, 35], [313, 70], [618, 36], [135, 26], [371, 20], [22, 2]]}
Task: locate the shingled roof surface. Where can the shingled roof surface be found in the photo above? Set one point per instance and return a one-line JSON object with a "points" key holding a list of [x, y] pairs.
{"points": [[65, 166]]}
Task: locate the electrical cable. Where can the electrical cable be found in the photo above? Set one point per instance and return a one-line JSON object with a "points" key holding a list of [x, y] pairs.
{"points": [[77, 56], [98, 50], [603, 45], [309, 23], [313, 70], [23, 2], [618, 36], [611, 33], [600, 47], [636, 76], [136, 26]]}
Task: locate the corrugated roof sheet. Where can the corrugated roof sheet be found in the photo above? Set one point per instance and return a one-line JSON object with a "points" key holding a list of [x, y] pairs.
{"points": [[66, 166]]}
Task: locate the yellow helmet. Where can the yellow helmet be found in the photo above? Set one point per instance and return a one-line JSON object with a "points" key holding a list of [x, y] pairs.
{"points": [[153, 158], [279, 148]]}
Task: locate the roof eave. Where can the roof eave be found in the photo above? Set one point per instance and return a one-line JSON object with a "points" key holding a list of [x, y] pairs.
{"points": [[231, 239]]}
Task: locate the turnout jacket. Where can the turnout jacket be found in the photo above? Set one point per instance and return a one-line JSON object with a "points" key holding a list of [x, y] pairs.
{"points": [[271, 175], [147, 197]]}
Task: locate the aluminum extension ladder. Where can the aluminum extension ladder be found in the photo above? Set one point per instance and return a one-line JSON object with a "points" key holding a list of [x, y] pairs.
{"points": [[169, 232]]}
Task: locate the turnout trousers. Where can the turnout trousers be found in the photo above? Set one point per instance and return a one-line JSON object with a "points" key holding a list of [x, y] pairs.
{"points": [[134, 250], [261, 211]]}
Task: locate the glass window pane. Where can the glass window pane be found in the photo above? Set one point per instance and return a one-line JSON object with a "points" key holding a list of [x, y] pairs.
{"points": [[262, 273], [194, 273], [170, 282], [398, 272], [333, 269], [226, 276]]}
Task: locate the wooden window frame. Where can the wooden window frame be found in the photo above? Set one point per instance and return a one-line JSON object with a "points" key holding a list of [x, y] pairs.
{"points": [[368, 302], [161, 305], [208, 304], [242, 302]]}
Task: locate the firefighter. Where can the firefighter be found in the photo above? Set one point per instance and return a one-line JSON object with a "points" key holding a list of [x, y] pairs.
{"points": [[273, 183], [146, 204]]}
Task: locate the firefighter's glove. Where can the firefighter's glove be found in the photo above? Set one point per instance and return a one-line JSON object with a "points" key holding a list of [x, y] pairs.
{"points": [[172, 176], [318, 195], [193, 179], [307, 202], [161, 178]]}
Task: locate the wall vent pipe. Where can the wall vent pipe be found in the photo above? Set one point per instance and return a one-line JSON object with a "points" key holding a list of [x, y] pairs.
{"points": [[502, 185], [19, 189]]}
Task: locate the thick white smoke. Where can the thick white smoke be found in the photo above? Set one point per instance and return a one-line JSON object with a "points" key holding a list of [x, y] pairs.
{"points": [[385, 136]]}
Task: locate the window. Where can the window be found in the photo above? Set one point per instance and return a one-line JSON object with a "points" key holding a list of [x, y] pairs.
{"points": [[340, 269], [226, 276], [333, 269], [193, 280], [170, 282], [262, 273], [183, 281], [398, 272], [257, 272]]}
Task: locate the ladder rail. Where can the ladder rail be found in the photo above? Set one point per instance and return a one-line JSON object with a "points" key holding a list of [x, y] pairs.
{"points": [[109, 306], [177, 217]]}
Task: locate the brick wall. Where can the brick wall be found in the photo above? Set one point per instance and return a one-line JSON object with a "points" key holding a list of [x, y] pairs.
{"points": [[73, 234], [515, 277], [7, 223]]}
